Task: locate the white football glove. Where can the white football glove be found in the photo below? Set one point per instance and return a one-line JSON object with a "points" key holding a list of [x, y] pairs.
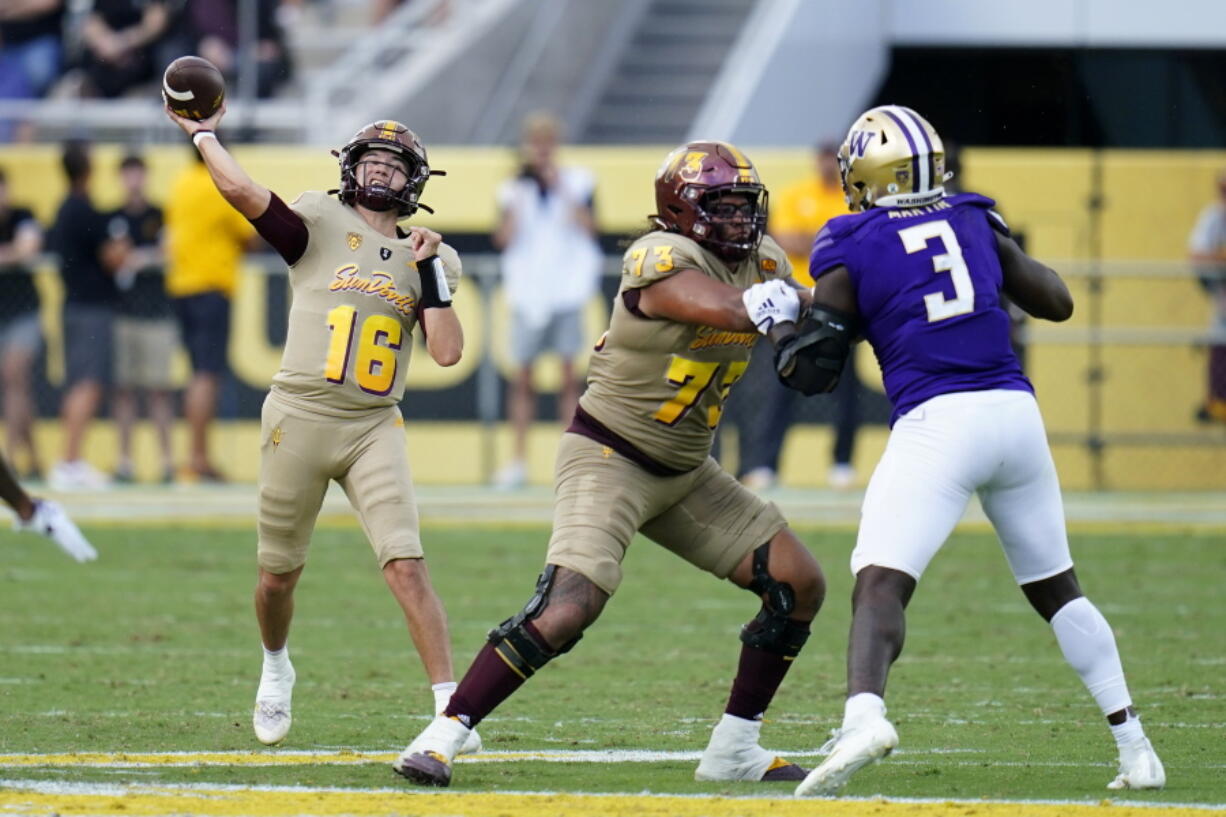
{"points": [[770, 303]]}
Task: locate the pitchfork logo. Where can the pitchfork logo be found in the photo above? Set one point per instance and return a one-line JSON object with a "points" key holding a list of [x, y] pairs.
{"points": [[858, 142]]}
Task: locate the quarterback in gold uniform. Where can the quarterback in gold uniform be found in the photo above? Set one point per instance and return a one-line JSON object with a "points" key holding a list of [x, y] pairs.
{"points": [[695, 294], [361, 285]]}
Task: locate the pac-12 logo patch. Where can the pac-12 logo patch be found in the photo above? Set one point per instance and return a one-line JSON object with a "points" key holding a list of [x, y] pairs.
{"points": [[385, 253], [354, 240]]}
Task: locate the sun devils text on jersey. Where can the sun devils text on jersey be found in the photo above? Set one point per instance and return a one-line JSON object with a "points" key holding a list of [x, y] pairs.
{"points": [[355, 305]]}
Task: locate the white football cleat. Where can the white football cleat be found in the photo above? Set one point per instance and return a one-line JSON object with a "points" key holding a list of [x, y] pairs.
{"points": [[733, 753], [427, 760], [849, 751], [1140, 768], [50, 520], [472, 744], [77, 475], [272, 719]]}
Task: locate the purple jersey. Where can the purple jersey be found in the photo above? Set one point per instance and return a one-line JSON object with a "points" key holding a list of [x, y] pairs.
{"points": [[927, 283]]}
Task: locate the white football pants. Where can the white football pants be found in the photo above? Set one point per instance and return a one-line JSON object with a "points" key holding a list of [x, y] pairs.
{"points": [[942, 451]]}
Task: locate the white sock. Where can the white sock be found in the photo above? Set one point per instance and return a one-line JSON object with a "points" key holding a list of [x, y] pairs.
{"points": [[1128, 732], [861, 706], [739, 724], [277, 669], [442, 695], [1088, 645]]}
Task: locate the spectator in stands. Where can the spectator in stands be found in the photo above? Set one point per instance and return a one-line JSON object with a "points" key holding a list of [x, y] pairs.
{"points": [[796, 215], [213, 26], [30, 47], [550, 270], [119, 39], [205, 240], [145, 331], [31, 51], [88, 256], [1207, 248], [21, 337]]}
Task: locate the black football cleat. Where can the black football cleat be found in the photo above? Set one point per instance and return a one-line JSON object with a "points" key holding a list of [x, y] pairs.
{"points": [[427, 769], [786, 770]]}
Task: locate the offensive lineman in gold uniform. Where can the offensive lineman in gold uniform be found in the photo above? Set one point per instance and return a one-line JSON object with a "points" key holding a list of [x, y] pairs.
{"points": [[360, 286], [637, 458]]}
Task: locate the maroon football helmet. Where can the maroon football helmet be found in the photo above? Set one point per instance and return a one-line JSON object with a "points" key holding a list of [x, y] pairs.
{"points": [[696, 195], [389, 135]]}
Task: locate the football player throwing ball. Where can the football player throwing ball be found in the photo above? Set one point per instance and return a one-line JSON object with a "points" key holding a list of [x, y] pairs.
{"points": [[361, 285]]}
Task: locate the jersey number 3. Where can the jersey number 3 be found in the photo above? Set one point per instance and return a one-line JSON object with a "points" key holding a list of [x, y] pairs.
{"points": [[915, 239], [374, 370]]}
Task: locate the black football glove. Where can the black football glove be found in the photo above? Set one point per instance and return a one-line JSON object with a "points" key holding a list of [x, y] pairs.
{"points": [[811, 360]]}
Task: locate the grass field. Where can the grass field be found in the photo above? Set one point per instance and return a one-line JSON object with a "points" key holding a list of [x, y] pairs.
{"points": [[126, 685]]}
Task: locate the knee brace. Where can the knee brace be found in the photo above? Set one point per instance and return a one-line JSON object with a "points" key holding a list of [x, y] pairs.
{"points": [[771, 629], [523, 652]]}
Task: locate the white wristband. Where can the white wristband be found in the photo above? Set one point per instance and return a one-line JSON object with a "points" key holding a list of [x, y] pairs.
{"points": [[202, 134]]}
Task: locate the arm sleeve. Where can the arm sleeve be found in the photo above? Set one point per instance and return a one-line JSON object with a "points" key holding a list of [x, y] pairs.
{"points": [[827, 253], [284, 229]]}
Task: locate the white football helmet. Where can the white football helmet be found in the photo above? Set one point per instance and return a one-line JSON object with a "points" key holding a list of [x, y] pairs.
{"points": [[892, 157]]}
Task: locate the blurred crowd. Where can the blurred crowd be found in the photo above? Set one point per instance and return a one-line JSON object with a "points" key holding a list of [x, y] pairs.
{"points": [[139, 282], [112, 48], [138, 286]]}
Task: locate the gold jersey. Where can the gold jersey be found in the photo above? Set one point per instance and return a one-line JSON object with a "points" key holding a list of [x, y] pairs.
{"points": [[355, 296], [661, 384]]}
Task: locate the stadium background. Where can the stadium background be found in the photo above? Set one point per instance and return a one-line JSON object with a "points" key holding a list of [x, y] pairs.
{"points": [[125, 684], [1067, 113]]}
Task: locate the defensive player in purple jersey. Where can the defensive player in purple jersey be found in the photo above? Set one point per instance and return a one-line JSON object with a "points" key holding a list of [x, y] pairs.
{"points": [[920, 276]]}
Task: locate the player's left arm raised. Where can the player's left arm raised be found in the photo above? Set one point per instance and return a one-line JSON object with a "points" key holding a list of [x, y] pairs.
{"points": [[444, 335], [242, 192]]}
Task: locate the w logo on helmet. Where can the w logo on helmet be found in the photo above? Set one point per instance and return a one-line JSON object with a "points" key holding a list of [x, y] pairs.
{"points": [[858, 141]]}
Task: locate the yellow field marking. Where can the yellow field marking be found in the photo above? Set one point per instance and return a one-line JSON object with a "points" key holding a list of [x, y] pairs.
{"points": [[219, 801]]}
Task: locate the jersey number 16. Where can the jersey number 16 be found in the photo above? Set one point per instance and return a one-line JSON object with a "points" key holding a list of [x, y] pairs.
{"points": [[374, 370]]}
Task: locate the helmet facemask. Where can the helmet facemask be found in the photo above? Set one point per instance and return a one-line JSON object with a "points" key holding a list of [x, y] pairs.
{"points": [[404, 153], [387, 189], [731, 220]]}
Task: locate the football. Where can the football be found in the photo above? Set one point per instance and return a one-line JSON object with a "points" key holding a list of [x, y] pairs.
{"points": [[193, 87]]}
